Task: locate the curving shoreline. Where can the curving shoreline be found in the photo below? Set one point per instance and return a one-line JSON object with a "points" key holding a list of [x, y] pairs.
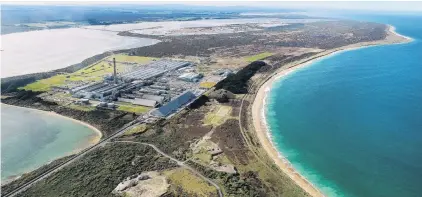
{"points": [[258, 107], [94, 140]]}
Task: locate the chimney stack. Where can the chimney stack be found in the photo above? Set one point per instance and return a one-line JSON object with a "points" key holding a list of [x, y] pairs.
{"points": [[114, 73]]}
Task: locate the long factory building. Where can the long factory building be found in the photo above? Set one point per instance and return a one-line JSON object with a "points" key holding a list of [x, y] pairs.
{"points": [[135, 89], [154, 69], [176, 104]]}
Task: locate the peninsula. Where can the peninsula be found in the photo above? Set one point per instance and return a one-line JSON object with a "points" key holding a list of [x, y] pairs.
{"points": [[183, 116]]}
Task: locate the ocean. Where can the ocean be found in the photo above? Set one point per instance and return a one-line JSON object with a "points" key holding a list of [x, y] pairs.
{"points": [[30, 139], [351, 123]]}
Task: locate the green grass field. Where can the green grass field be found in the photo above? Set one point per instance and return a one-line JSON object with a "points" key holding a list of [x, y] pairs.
{"points": [[81, 107], [258, 56], [45, 84], [207, 84], [217, 116], [91, 73], [136, 129], [128, 107], [189, 182]]}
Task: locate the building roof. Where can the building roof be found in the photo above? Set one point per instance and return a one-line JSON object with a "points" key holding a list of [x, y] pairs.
{"points": [[153, 97], [189, 75], [155, 69], [174, 104]]}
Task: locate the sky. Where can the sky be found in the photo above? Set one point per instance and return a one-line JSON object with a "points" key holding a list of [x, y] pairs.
{"points": [[362, 5], [310, 5]]}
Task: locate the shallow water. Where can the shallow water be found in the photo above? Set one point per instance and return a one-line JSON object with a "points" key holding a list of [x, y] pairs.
{"points": [[45, 50], [30, 139], [351, 123]]}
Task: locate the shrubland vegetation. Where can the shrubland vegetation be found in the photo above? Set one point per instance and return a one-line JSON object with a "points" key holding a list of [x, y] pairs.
{"points": [[24, 178], [100, 171]]}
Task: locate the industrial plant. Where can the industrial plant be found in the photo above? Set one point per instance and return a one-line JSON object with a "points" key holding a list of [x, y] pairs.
{"points": [[165, 85]]}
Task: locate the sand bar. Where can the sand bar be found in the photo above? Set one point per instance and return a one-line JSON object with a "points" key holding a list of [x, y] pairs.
{"points": [[258, 107]]}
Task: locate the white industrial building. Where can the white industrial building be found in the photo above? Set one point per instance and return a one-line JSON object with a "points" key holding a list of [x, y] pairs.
{"points": [[190, 77], [154, 69]]}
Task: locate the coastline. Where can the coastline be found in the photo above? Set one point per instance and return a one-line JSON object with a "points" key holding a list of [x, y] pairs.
{"points": [[93, 140], [98, 136], [258, 107]]}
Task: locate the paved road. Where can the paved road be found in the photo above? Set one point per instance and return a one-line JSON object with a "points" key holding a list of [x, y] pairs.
{"points": [[180, 163], [74, 158]]}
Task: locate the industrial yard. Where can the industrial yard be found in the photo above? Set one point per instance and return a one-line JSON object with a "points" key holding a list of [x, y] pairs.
{"points": [[151, 87]]}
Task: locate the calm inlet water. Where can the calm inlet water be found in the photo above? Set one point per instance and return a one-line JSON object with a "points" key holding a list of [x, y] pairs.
{"points": [[352, 123], [46, 50], [30, 139]]}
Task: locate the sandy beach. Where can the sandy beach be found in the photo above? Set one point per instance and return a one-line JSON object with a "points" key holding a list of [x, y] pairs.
{"points": [[258, 112], [95, 139]]}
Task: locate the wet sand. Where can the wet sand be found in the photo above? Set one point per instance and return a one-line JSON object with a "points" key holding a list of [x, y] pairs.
{"points": [[258, 107]]}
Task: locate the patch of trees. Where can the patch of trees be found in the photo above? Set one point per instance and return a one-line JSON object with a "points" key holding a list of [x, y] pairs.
{"points": [[222, 96], [237, 83], [202, 100]]}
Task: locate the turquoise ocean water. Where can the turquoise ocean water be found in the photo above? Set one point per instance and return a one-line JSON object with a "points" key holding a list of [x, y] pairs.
{"points": [[30, 139], [351, 123]]}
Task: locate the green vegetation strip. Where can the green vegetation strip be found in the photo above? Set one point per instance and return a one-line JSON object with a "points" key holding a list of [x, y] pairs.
{"points": [[258, 56], [92, 73], [136, 129], [137, 109], [81, 107]]}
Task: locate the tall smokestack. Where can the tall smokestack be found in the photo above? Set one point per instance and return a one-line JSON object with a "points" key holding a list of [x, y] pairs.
{"points": [[114, 73]]}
